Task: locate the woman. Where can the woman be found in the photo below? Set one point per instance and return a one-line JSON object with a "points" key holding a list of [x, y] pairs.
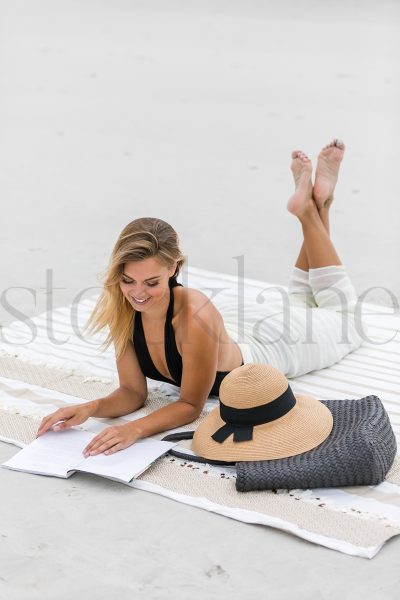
{"points": [[180, 337]]}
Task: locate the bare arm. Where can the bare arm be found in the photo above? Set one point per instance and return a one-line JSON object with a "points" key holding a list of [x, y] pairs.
{"points": [[130, 396], [199, 357], [121, 401], [132, 391]]}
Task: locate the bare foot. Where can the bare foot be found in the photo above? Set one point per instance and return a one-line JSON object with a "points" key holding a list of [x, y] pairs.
{"points": [[301, 168], [326, 173]]}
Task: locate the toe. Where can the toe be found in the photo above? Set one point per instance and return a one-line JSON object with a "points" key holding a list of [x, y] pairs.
{"points": [[296, 153], [339, 144]]}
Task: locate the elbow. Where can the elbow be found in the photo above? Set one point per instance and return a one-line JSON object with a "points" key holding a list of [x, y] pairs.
{"points": [[142, 399], [140, 402], [136, 399], [195, 412]]}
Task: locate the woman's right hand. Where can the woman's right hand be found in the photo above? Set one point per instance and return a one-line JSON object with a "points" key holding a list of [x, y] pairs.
{"points": [[69, 415]]}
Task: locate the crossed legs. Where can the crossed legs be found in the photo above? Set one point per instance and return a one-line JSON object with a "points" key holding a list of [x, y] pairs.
{"points": [[311, 205], [319, 278]]}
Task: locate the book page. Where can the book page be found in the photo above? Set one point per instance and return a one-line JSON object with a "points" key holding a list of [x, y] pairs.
{"points": [[59, 453], [126, 464], [53, 453]]}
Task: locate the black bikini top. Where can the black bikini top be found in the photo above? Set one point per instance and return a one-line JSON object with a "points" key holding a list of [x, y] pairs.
{"points": [[173, 358]]}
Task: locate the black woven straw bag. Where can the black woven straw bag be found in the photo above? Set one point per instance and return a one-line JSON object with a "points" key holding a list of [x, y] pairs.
{"points": [[359, 450]]}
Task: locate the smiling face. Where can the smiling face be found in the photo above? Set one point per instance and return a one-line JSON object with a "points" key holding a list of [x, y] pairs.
{"points": [[144, 283]]}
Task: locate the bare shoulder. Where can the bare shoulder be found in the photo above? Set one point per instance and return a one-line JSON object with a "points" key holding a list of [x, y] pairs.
{"points": [[190, 301]]}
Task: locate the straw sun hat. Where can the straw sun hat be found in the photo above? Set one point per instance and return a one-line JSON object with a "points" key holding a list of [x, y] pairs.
{"points": [[259, 418]]}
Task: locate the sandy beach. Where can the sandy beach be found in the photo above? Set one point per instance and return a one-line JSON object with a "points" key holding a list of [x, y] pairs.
{"points": [[187, 111]]}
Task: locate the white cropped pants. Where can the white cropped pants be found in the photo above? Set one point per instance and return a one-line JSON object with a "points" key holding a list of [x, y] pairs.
{"points": [[310, 327]]}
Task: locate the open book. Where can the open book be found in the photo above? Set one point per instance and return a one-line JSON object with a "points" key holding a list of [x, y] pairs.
{"points": [[60, 454]]}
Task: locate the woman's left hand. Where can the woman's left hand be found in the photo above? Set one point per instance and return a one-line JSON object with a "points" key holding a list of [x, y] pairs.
{"points": [[112, 439]]}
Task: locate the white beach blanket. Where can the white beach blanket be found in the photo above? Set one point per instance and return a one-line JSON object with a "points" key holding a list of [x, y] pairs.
{"points": [[39, 373]]}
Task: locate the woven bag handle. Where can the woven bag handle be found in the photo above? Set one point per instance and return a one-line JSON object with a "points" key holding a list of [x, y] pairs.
{"points": [[188, 435]]}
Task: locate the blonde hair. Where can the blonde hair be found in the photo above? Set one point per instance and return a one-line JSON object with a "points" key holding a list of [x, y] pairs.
{"points": [[142, 238]]}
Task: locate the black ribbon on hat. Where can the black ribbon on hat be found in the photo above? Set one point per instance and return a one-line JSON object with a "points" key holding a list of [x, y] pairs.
{"points": [[240, 421]]}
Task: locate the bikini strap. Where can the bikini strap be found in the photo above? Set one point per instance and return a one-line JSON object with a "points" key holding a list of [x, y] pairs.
{"points": [[172, 356]]}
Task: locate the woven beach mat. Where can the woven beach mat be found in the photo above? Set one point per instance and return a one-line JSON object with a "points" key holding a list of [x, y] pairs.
{"points": [[355, 521], [38, 376]]}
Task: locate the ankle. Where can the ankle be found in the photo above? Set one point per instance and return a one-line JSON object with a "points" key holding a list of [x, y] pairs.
{"points": [[324, 216], [309, 213]]}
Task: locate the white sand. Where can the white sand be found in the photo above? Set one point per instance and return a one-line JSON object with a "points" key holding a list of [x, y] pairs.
{"points": [[187, 111]]}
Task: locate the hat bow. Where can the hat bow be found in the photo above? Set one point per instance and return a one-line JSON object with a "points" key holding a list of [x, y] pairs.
{"points": [[240, 421]]}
